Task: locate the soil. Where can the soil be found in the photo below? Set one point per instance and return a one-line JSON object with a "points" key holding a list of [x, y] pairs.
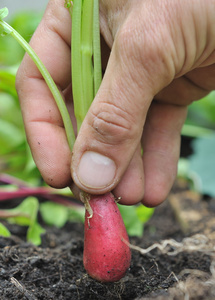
{"points": [[174, 259]]}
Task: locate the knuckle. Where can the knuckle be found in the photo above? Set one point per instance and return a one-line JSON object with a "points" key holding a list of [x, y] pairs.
{"points": [[127, 42], [147, 47], [112, 124], [144, 54]]}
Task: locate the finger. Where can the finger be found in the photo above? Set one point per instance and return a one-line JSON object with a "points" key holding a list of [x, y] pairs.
{"points": [[203, 77], [43, 123], [161, 150], [130, 189], [150, 178], [112, 129], [193, 86], [181, 91]]}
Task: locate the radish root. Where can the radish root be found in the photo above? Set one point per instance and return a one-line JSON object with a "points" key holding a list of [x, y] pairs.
{"points": [[85, 198]]}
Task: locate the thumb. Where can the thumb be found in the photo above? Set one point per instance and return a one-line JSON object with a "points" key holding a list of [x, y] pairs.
{"points": [[112, 129]]}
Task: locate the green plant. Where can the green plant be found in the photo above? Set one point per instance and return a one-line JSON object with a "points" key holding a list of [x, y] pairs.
{"points": [[198, 168], [15, 156], [201, 117]]}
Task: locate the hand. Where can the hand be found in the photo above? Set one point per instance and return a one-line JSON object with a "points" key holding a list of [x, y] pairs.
{"points": [[162, 58]]}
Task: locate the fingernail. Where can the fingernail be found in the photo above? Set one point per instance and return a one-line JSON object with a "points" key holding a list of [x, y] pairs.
{"points": [[96, 170]]}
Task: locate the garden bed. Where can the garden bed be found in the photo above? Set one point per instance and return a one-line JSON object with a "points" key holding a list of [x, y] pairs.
{"points": [[182, 268]]}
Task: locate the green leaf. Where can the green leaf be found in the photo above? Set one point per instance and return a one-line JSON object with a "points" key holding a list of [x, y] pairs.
{"points": [[57, 215], [202, 163], [4, 29], [34, 233], [54, 214], [135, 217], [144, 213], [76, 214], [26, 212], [4, 231], [7, 81], [10, 136], [133, 224], [26, 215], [3, 13]]}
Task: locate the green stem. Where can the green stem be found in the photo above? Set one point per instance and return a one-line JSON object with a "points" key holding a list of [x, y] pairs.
{"points": [[86, 56], [77, 86], [196, 131], [96, 47], [87, 53], [48, 79]]}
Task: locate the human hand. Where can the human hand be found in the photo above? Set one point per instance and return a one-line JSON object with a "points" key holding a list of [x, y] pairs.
{"points": [[162, 58]]}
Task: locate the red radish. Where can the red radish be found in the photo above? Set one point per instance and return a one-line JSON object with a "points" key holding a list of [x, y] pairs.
{"points": [[107, 255]]}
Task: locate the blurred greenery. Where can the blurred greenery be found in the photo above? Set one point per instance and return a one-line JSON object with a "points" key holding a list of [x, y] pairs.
{"points": [[135, 217], [15, 156], [202, 164], [25, 23], [25, 214], [199, 167], [202, 113]]}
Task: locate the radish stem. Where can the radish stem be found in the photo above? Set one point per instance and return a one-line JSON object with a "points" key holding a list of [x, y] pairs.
{"points": [[77, 87], [87, 53], [86, 56], [96, 48]]}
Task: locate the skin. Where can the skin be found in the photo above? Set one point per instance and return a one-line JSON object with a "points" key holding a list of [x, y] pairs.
{"points": [[158, 58]]}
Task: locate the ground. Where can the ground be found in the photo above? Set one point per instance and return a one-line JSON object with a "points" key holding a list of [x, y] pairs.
{"points": [[174, 259]]}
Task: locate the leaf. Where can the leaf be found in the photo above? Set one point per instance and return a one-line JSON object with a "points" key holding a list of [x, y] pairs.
{"points": [[10, 136], [133, 224], [4, 231], [76, 214], [3, 13], [26, 215], [4, 29], [202, 162], [54, 214], [135, 217], [7, 81], [34, 233], [57, 215], [26, 212], [144, 213]]}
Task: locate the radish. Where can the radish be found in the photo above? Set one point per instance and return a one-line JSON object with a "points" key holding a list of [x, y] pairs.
{"points": [[107, 255]]}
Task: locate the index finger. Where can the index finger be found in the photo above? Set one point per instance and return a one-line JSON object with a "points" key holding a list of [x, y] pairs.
{"points": [[43, 123]]}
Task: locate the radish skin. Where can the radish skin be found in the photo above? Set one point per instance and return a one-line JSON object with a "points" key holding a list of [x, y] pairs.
{"points": [[107, 255]]}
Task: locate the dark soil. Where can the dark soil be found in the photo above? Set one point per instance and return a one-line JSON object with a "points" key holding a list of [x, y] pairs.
{"points": [[55, 270]]}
